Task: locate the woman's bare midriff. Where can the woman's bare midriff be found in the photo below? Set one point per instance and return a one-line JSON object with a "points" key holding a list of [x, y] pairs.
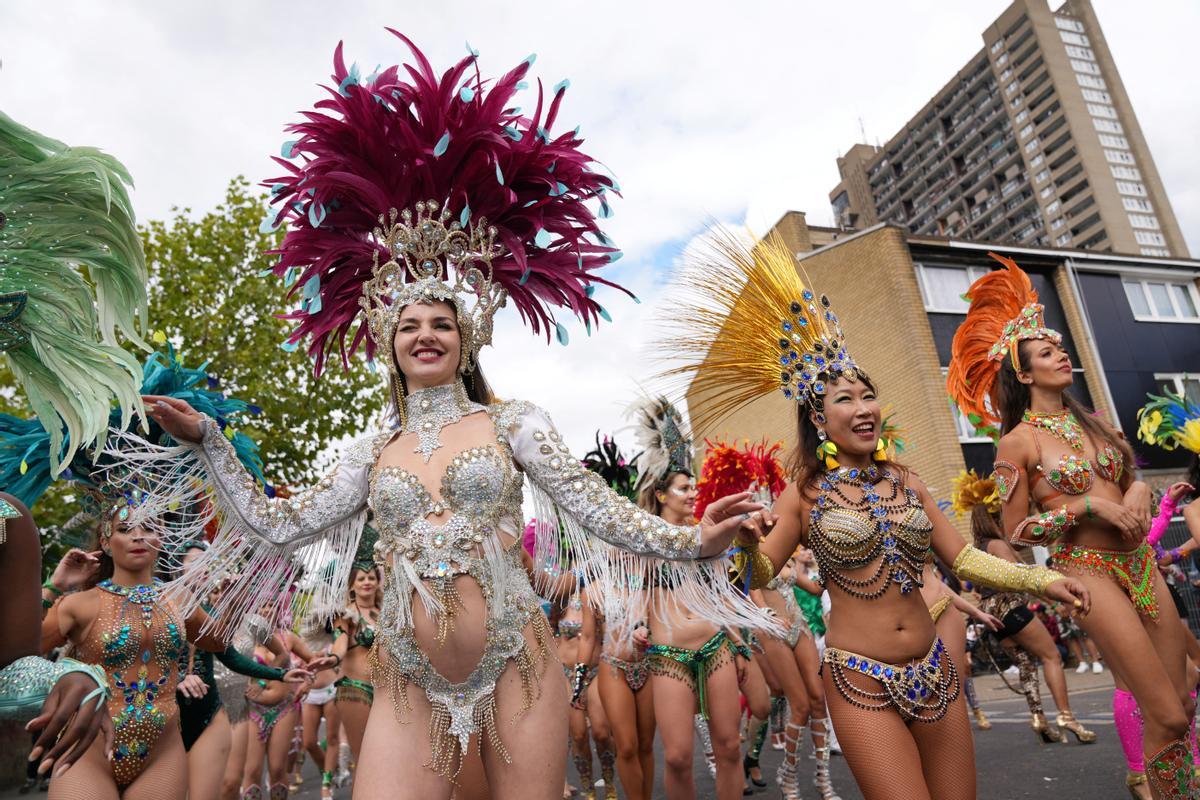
{"points": [[895, 628], [675, 626]]}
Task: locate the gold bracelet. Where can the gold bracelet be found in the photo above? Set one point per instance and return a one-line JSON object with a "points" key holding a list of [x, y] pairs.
{"points": [[988, 570], [756, 562]]}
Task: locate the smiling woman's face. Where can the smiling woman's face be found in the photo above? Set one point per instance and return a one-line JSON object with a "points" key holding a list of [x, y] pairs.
{"points": [[852, 416], [427, 344]]}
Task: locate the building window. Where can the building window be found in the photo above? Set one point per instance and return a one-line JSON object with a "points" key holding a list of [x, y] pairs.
{"points": [[1047, 192], [1149, 238], [1088, 67], [1127, 187], [1143, 221], [1041, 176], [1097, 96], [1058, 223], [1137, 204], [1031, 145], [1155, 251], [1064, 240], [1090, 82], [1050, 209], [1186, 384], [1119, 142], [1074, 38], [1101, 110], [1107, 126], [1068, 24], [1001, 60], [1036, 161], [943, 287], [1159, 301], [1081, 52], [1012, 87], [997, 44], [1119, 157], [1024, 115], [1126, 173], [1028, 129]]}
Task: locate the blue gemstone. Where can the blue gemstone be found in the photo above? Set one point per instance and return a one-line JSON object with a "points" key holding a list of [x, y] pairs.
{"points": [[923, 692], [787, 393], [807, 295], [851, 662], [820, 361], [787, 326], [875, 670], [803, 322], [853, 473], [863, 667], [888, 672], [912, 695], [808, 357]]}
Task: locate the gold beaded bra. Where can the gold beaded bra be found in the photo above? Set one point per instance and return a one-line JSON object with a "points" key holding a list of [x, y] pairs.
{"points": [[848, 533]]}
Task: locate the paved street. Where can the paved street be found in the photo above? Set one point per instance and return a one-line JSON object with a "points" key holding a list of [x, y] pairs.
{"points": [[1011, 763]]}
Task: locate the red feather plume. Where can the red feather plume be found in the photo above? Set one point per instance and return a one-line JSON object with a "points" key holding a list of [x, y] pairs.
{"points": [[728, 470], [393, 139]]}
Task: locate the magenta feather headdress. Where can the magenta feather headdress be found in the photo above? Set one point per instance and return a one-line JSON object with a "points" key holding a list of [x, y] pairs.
{"points": [[389, 141]]}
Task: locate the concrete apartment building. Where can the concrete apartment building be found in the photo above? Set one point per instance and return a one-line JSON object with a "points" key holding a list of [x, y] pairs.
{"points": [[1034, 142]]}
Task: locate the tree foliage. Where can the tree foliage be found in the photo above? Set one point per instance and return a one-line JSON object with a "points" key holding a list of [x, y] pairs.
{"points": [[209, 295]]}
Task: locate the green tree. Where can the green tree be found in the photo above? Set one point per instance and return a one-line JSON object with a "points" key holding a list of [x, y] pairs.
{"points": [[208, 294]]}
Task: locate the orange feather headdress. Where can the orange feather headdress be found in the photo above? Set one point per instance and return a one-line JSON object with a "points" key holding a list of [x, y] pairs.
{"points": [[1004, 311]]}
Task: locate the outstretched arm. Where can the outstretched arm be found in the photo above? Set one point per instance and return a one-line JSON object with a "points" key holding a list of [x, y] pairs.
{"points": [[588, 503]]}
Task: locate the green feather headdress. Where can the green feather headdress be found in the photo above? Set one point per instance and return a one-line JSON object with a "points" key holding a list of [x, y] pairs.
{"points": [[72, 273]]}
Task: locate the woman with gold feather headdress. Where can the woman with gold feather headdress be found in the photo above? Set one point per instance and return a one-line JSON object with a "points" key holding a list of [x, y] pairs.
{"points": [[417, 206], [755, 327], [1065, 481], [1022, 633]]}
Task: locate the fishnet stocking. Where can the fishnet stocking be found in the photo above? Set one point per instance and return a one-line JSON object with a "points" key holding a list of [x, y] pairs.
{"points": [[921, 760]]}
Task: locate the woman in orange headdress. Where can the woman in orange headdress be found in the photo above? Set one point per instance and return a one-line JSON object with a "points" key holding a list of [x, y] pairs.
{"points": [[1063, 482]]}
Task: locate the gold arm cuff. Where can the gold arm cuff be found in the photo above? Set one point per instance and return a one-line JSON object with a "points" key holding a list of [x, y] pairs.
{"points": [[756, 563], [979, 567]]}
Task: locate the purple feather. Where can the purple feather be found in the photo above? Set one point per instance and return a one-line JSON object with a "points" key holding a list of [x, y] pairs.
{"points": [[369, 148]]}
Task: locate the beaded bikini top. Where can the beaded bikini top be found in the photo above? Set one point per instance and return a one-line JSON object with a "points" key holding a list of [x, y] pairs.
{"points": [[1074, 474], [885, 525]]}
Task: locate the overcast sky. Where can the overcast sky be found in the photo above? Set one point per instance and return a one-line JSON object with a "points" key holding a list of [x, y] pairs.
{"points": [[700, 111]]}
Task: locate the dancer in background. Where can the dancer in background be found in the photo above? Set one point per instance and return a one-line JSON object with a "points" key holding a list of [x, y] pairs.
{"points": [[695, 660], [751, 327], [623, 679], [1077, 470]]}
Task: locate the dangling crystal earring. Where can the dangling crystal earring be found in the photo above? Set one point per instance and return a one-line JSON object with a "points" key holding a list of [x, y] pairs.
{"points": [[881, 449], [827, 451]]}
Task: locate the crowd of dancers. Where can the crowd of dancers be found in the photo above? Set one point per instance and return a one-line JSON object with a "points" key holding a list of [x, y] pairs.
{"points": [[414, 605]]}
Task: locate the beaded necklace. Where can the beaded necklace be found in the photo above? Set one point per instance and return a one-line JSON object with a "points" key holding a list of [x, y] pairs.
{"points": [[1062, 425], [429, 410], [899, 563], [144, 596]]}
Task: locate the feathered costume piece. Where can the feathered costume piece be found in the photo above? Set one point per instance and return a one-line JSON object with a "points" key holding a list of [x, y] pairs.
{"points": [[72, 273], [1004, 312], [607, 461], [727, 470], [665, 441], [1170, 421], [26, 467], [753, 327], [397, 138], [970, 490]]}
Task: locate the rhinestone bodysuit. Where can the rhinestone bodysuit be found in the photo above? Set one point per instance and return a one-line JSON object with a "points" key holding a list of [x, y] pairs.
{"points": [[479, 514], [138, 639]]}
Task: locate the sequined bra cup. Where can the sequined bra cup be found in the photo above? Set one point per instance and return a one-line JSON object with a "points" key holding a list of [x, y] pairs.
{"points": [[1074, 474], [885, 525]]}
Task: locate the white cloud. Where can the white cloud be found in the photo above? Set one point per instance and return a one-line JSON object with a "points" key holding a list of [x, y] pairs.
{"points": [[700, 112]]}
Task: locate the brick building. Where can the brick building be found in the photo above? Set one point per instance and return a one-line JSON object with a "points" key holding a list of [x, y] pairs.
{"points": [[1034, 141]]}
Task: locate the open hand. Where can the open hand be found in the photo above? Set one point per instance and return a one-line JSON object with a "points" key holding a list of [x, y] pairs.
{"points": [[723, 520], [175, 416], [75, 569], [192, 686], [74, 726]]}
